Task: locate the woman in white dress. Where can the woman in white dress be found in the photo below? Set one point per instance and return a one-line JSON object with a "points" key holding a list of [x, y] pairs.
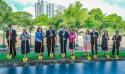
{"points": [[87, 43]]}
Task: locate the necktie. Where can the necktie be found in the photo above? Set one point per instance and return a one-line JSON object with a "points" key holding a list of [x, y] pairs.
{"points": [[10, 33], [64, 32], [50, 32]]}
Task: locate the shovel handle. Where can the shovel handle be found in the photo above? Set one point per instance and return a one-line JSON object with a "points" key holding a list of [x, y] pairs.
{"points": [[51, 44], [94, 47], [63, 43], [25, 48], [41, 47]]}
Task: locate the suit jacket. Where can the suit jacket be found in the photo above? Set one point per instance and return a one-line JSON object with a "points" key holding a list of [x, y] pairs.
{"points": [[92, 37], [13, 35], [116, 40], [48, 35], [65, 36]]}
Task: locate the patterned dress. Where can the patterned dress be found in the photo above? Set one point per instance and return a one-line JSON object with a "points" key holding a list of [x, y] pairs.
{"points": [[87, 43]]}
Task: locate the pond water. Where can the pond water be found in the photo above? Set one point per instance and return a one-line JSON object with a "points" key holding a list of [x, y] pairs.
{"points": [[114, 67]]}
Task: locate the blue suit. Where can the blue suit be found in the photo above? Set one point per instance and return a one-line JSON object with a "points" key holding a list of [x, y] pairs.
{"points": [[50, 45], [94, 42], [63, 40]]}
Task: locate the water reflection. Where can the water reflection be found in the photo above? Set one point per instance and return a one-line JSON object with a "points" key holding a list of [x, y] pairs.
{"points": [[63, 69], [11, 70], [39, 70], [113, 67]]}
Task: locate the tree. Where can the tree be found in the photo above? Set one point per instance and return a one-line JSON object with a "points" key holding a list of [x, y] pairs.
{"points": [[31, 28], [56, 20], [41, 20], [23, 19], [114, 21], [96, 20], [96, 17], [5, 12], [75, 16]]}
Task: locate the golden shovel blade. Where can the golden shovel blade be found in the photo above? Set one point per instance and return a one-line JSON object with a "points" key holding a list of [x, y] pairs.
{"points": [[117, 57], [89, 58], [25, 59], [9, 56], [40, 57], [108, 57], [63, 55], [95, 56], [51, 55], [73, 57]]}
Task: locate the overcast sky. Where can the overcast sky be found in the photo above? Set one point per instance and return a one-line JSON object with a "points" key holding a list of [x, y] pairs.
{"points": [[107, 6]]}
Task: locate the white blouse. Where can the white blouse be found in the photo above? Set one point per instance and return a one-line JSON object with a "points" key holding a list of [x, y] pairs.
{"points": [[87, 38]]}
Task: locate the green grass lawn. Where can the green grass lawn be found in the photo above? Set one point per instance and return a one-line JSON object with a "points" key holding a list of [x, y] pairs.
{"points": [[33, 56]]}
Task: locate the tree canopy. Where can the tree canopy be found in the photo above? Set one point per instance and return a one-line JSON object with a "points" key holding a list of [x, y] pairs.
{"points": [[75, 16]]}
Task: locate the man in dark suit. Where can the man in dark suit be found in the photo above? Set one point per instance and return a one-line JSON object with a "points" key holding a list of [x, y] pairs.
{"points": [[51, 39], [116, 43], [11, 40], [94, 41], [63, 34]]}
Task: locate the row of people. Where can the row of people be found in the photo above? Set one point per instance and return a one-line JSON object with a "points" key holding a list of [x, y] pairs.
{"points": [[91, 41], [89, 44]]}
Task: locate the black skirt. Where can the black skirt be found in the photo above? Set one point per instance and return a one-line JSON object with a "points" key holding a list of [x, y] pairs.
{"points": [[25, 48], [71, 45], [38, 47], [104, 45], [104, 48]]}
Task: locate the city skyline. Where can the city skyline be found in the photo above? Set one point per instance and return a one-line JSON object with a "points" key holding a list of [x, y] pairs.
{"points": [[107, 6], [47, 8]]}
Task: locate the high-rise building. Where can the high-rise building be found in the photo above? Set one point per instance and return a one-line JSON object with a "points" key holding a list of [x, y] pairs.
{"points": [[45, 8]]}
